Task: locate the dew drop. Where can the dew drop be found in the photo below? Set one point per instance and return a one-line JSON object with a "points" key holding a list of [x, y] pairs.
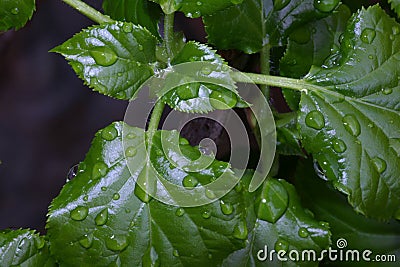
{"points": [[99, 170], [325, 5], [339, 146], [223, 99], [72, 172], [280, 4], [206, 70], [324, 224], [15, 11], [86, 241], [240, 230], [351, 125], [303, 232], [190, 182], [103, 56], [103, 188], [206, 214], [368, 35], [85, 198], [199, 3], [387, 91], [379, 164], [131, 136], [116, 196], [102, 217], [315, 120], [371, 57], [79, 213], [210, 194], [109, 133], [116, 242], [140, 47], [281, 244], [179, 212], [175, 253], [226, 208], [127, 27], [130, 151]]}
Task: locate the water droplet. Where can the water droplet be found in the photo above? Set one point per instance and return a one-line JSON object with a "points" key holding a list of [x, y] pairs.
{"points": [[140, 48], [99, 170], [127, 27], [196, 14], [102, 217], [315, 119], [15, 11], [226, 208], [103, 188], [189, 182], [187, 91], [325, 5], [351, 125], [116, 242], [206, 70], [199, 3], [324, 224], [206, 214], [240, 230], [223, 99], [387, 91], [103, 56], [210, 256], [39, 242], [131, 136], [85, 198], [281, 244], [273, 201], [280, 4], [179, 212], [339, 146], [379, 164], [79, 213], [109, 133], [210, 194], [371, 57], [86, 241], [368, 35], [303, 232], [130, 151], [395, 30], [116, 196], [175, 253], [72, 172]]}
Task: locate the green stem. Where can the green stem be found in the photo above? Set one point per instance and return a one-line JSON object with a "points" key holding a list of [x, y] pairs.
{"points": [[88, 11], [264, 63], [169, 32]]}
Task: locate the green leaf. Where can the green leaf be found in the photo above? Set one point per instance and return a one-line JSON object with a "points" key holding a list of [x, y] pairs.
{"points": [[15, 13], [195, 8], [99, 217], [288, 137], [114, 59], [395, 4], [202, 97], [350, 116], [24, 248], [271, 23], [140, 12], [360, 232], [295, 229]]}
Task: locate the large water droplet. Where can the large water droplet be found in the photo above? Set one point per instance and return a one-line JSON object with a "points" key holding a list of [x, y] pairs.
{"points": [[315, 119], [79, 213], [179, 212], [15, 11], [116, 196], [280, 4], [226, 208], [72, 172], [130, 152], [339, 146], [102, 217], [281, 244], [210, 194], [99, 170], [206, 214], [303, 232], [127, 27], [240, 230], [199, 3], [223, 99], [352, 125], [116, 242], [190, 182], [175, 253], [109, 133], [379, 164], [273, 201], [324, 224], [368, 35], [103, 55], [325, 5], [86, 241]]}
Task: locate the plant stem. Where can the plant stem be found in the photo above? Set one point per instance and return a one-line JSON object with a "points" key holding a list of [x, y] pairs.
{"points": [[169, 32], [155, 119], [88, 11], [264, 64]]}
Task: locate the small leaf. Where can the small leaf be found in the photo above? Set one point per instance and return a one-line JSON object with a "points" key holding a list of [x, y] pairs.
{"points": [[288, 136], [350, 117], [114, 59], [15, 13], [395, 4], [140, 12], [24, 248], [195, 8], [271, 24]]}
